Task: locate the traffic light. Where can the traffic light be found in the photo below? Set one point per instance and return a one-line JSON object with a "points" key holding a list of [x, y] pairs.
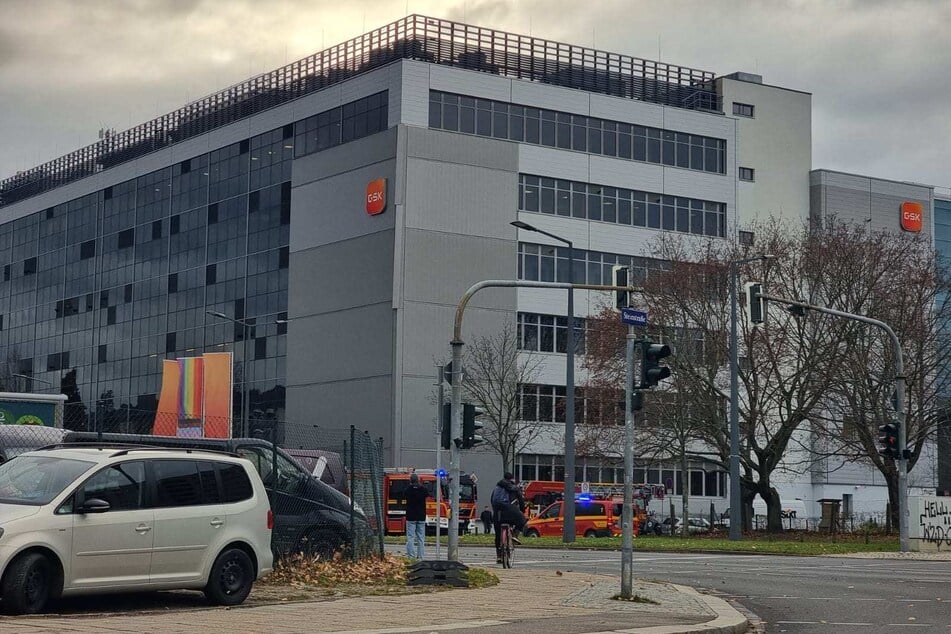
{"points": [[620, 277], [637, 401], [652, 371], [445, 426], [471, 425], [755, 304], [888, 441]]}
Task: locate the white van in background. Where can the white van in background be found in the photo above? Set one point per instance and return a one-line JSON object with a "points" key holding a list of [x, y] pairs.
{"points": [[790, 509]]}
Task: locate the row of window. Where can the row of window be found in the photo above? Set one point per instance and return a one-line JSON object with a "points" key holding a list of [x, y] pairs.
{"points": [[342, 124], [176, 483], [511, 122], [620, 206], [546, 263], [548, 333], [703, 482]]}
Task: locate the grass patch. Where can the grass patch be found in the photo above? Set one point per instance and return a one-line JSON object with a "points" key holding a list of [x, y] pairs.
{"points": [[788, 543], [635, 599], [482, 578]]}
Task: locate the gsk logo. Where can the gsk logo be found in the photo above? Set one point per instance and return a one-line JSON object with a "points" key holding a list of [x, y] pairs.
{"points": [[911, 216], [376, 196]]}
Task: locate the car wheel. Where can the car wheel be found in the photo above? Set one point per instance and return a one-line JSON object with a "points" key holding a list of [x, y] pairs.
{"points": [[321, 544], [590, 533], [531, 533], [658, 530], [231, 578], [26, 586]]}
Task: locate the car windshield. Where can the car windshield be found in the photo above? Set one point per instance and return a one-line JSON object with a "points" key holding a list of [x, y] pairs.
{"points": [[36, 480]]}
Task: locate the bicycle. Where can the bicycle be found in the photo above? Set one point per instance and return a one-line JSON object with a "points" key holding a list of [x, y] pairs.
{"points": [[506, 544]]}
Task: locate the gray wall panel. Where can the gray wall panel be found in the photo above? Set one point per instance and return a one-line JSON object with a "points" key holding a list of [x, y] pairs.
{"points": [[341, 275], [452, 147], [364, 403], [343, 345], [328, 201]]}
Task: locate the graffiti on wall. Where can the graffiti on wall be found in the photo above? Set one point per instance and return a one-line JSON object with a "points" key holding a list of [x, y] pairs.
{"points": [[934, 521]]}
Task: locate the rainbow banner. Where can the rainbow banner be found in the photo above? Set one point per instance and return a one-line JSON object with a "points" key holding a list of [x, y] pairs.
{"points": [[195, 399]]}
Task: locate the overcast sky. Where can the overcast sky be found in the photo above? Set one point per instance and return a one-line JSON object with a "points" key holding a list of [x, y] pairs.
{"points": [[879, 71]]}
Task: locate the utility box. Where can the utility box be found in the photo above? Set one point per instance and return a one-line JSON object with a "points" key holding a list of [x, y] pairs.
{"points": [[445, 573], [830, 515]]}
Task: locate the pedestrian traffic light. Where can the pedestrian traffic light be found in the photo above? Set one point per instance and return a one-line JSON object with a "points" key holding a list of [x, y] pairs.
{"points": [[445, 426], [888, 441], [755, 304], [652, 371], [620, 277], [637, 401], [471, 425]]}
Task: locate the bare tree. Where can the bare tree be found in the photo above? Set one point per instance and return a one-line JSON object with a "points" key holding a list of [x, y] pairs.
{"points": [[897, 279], [495, 370]]}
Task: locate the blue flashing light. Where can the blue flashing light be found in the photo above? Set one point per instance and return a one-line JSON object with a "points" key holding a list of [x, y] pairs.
{"points": [[441, 473], [584, 497]]}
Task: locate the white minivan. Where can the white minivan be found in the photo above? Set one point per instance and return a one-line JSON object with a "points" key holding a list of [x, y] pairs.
{"points": [[101, 519]]}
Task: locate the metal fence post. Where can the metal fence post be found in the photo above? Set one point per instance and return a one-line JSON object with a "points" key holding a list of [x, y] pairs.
{"points": [[373, 452], [353, 550]]}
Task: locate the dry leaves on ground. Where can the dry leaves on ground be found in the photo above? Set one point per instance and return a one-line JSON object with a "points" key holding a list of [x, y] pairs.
{"points": [[301, 570]]}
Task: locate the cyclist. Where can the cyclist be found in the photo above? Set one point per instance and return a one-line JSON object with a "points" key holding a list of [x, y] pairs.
{"points": [[508, 506]]}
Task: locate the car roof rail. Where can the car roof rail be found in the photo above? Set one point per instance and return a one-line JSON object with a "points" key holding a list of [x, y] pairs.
{"points": [[125, 448], [86, 445]]}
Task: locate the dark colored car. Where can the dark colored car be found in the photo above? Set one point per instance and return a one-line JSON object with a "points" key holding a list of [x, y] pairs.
{"points": [[326, 466], [309, 515]]}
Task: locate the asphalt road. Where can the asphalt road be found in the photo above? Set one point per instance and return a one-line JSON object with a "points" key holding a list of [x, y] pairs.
{"points": [[790, 594]]}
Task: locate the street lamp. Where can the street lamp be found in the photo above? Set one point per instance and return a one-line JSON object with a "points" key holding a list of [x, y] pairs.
{"points": [[568, 534], [245, 396], [736, 530], [27, 377]]}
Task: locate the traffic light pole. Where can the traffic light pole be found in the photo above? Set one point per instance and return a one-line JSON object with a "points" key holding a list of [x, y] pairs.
{"points": [[456, 398], [627, 513], [899, 403], [439, 401]]}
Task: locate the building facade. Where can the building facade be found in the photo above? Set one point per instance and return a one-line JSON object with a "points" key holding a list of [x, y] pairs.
{"points": [[341, 205]]}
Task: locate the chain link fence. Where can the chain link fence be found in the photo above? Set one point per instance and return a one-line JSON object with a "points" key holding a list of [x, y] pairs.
{"points": [[325, 484]]}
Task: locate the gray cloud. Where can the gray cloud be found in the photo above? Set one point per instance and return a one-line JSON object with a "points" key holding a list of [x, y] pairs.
{"points": [[879, 71]]}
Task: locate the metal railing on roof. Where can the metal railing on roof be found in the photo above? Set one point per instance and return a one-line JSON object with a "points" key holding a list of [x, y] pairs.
{"points": [[414, 37]]}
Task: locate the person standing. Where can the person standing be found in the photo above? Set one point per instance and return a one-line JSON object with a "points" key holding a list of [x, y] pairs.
{"points": [[486, 518], [415, 518]]}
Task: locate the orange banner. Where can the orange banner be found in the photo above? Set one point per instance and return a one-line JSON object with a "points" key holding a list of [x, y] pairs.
{"points": [[218, 395], [166, 417]]}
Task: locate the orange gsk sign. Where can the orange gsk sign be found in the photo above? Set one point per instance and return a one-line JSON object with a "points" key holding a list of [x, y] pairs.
{"points": [[911, 216], [376, 196]]}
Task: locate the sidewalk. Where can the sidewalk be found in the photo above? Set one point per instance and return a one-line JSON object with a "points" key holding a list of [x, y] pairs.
{"points": [[525, 601]]}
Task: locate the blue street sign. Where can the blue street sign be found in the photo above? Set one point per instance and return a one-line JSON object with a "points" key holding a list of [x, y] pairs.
{"points": [[633, 317]]}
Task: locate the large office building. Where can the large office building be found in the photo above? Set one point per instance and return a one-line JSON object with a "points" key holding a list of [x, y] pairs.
{"points": [[342, 204]]}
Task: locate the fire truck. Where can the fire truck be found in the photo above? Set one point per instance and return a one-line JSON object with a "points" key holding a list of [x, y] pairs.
{"points": [[544, 492], [395, 483]]}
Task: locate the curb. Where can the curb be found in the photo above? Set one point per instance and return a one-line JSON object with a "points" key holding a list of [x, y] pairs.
{"points": [[727, 621]]}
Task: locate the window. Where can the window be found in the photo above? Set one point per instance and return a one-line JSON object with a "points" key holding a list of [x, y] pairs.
{"points": [[235, 485], [502, 120], [582, 509], [87, 249], [126, 238], [211, 274], [618, 205], [29, 266], [177, 483], [102, 358], [747, 174], [548, 333], [345, 123], [746, 238], [170, 342], [209, 483], [743, 109], [121, 485]]}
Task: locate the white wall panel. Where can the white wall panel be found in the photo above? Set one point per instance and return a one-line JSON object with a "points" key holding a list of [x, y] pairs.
{"points": [[628, 174], [627, 110], [545, 161], [529, 93], [470, 83]]}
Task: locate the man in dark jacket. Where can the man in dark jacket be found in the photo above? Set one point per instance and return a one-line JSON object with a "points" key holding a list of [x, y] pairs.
{"points": [[415, 518], [486, 518], [508, 505]]}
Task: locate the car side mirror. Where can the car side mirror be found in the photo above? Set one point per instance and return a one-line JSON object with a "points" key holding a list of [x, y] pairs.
{"points": [[94, 505]]}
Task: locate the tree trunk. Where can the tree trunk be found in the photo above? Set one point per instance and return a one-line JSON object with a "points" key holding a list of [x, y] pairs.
{"points": [[891, 480], [774, 510]]}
